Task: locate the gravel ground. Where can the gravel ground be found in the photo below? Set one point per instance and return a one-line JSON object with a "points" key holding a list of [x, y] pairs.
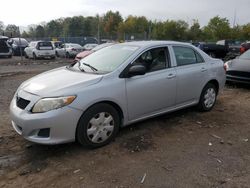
{"points": [[180, 149]]}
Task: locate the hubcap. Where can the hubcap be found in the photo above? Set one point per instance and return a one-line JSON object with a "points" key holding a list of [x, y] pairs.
{"points": [[100, 127], [209, 98]]}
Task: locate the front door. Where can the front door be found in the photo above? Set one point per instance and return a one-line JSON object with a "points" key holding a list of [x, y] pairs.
{"points": [[154, 91]]}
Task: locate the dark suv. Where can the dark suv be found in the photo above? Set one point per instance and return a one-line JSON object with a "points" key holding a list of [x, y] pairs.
{"points": [[18, 45], [5, 48]]}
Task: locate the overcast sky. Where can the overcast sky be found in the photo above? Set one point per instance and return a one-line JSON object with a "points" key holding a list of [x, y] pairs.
{"points": [[26, 12]]}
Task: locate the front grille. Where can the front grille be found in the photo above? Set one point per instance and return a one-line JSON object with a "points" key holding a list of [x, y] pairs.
{"points": [[22, 103], [239, 73]]}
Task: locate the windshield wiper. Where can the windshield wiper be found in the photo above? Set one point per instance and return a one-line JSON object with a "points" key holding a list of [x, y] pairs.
{"points": [[90, 66]]}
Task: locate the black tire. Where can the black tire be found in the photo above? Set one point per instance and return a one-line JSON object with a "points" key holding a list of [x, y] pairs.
{"points": [[202, 104], [25, 55], [84, 124], [67, 55], [53, 57]]}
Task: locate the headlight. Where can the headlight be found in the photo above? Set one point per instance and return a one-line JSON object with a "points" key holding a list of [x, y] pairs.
{"points": [[47, 104]]}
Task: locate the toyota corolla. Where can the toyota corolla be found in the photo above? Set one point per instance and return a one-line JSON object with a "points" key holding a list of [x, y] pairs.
{"points": [[89, 101]]}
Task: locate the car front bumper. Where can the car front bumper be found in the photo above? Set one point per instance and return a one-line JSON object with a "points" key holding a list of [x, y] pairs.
{"points": [[52, 127], [238, 79]]}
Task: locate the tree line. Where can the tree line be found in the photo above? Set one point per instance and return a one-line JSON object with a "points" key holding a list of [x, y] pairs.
{"points": [[112, 25]]}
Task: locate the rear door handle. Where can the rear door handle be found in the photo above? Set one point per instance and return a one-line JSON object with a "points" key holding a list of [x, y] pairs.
{"points": [[171, 75], [203, 69]]}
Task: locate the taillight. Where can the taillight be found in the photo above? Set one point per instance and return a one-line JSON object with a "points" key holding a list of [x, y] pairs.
{"points": [[73, 49], [242, 49], [225, 66]]}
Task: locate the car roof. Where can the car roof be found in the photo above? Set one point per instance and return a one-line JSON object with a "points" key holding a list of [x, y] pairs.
{"points": [[4, 37], [154, 43]]}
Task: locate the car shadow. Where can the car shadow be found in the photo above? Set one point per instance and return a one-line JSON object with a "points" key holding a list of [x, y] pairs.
{"points": [[238, 85]]}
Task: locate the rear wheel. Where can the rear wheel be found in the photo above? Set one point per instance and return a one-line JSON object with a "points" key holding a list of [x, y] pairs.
{"points": [[25, 55], [207, 98], [98, 126]]}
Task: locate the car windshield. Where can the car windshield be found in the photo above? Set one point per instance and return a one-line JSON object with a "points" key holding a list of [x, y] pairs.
{"points": [[107, 59], [101, 46], [246, 55]]}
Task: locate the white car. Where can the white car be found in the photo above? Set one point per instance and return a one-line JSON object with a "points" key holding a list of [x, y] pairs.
{"points": [[40, 49], [68, 50]]}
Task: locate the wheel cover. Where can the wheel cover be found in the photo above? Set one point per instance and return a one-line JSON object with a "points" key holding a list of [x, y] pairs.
{"points": [[209, 97], [100, 127]]}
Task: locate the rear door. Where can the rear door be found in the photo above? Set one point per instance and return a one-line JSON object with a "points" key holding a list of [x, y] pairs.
{"points": [[191, 72], [154, 91]]}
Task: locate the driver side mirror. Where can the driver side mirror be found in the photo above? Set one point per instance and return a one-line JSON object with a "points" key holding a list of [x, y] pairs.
{"points": [[135, 70]]}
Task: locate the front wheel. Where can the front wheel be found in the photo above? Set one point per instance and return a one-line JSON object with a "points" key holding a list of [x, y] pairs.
{"points": [[98, 126], [207, 98]]}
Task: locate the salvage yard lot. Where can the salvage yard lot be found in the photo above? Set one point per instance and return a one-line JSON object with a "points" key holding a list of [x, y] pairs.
{"points": [[181, 149]]}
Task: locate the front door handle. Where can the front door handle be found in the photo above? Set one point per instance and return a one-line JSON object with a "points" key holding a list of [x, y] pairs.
{"points": [[203, 69], [171, 75]]}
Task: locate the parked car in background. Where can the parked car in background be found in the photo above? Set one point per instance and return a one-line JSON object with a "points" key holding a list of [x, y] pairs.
{"points": [[40, 49], [18, 45], [223, 49], [238, 70], [57, 44], [232, 46], [116, 86], [68, 50], [85, 53], [89, 46], [244, 47], [5, 48], [213, 50]]}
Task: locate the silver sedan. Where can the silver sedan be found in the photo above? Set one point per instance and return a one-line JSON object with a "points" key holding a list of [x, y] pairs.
{"points": [[116, 86]]}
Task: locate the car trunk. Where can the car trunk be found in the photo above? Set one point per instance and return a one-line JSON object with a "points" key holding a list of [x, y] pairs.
{"points": [[4, 48]]}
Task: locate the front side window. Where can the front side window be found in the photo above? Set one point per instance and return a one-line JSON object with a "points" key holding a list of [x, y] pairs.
{"points": [[154, 59], [186, 56]]}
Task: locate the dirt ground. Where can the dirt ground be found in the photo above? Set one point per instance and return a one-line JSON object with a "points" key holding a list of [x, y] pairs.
{"points": [[182, 149]]}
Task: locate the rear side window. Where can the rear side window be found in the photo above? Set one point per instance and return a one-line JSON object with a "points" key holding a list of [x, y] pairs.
{"points": [[186, 56]]}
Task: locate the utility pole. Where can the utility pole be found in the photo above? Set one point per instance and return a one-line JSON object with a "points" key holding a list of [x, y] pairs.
{"points": [[98, 31], [20, 45]]}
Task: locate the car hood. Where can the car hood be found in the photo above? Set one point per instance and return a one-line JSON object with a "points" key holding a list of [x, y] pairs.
{"points": [[59, 82], [240, 65]]}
